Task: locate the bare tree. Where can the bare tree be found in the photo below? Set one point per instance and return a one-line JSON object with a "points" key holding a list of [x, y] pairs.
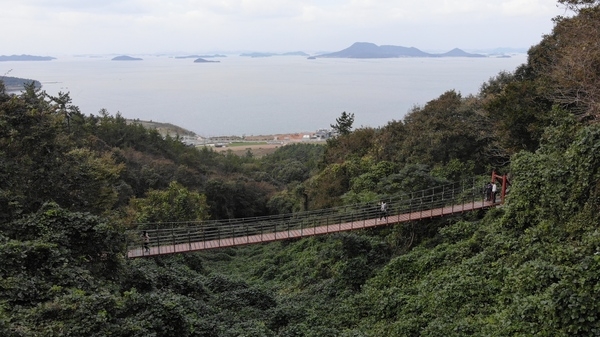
{"points": [[574, 66]]}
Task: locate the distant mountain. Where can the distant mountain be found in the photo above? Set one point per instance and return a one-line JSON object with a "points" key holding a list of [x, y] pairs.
{"points": [[201, 60], [295, 53], [26, 58], [126, 58], [459, 53], [371, 50]]}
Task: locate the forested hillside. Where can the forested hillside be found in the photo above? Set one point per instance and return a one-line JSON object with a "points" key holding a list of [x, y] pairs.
{"points": [[72, 185], [16, 83]]}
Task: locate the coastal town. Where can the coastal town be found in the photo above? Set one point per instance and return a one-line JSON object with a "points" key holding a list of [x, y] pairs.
{"points": [[281, 139], [257, 145]]}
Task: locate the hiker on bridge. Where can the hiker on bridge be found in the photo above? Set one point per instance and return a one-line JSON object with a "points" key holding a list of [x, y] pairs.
{"points": [[146, 241], [488, 191], [383, 210]]}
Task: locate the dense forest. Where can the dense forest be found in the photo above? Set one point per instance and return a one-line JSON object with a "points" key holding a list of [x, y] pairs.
{"points": [[73, 185]]}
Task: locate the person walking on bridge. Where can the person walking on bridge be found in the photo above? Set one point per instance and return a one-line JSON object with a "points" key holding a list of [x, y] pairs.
{"points": [[146, 241], [488, 192], [383, 210]]}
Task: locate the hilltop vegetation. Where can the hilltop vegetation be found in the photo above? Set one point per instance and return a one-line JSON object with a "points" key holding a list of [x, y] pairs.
{"points": [[71, 185], [163, 128]]}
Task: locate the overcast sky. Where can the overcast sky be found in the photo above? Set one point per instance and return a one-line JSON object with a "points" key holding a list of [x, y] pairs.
{"points": [[66, 27]]}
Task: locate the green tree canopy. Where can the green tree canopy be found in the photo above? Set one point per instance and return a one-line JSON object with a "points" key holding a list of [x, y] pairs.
{"points": [[175, 204]]}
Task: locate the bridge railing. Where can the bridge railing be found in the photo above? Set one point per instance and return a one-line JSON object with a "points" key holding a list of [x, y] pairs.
{"points": [[176, 233]]}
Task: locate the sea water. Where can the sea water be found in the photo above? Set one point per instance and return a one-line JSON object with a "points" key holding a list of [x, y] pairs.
{"points": [[258, 96]]}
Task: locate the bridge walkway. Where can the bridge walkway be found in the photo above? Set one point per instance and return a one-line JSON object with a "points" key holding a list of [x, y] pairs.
{"points": [[174, 238]]}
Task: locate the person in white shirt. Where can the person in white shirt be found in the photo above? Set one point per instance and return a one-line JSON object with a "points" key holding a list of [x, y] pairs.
{"points": [[383, 213]]}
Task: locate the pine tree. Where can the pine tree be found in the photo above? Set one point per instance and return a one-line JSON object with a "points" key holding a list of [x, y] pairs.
{"points": [[344, 123]]}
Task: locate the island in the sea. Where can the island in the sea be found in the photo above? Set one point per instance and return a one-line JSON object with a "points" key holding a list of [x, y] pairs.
{"points": [[14, 84], [201, 60], [126, 58], [371, 50], [26, 58]]}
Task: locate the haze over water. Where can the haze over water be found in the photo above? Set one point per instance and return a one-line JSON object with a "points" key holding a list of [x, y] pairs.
{"points": [[253, 96]]}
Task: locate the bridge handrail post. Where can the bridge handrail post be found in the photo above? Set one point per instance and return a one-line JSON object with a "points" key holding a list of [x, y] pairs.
{"points": [[416, 206], [443, 193], [482, 197], [453, 198], [203, 237], [157, 239], [462, 193], [173, 237], [188, 237], [473, 194], [430, 203], [364, 217]]}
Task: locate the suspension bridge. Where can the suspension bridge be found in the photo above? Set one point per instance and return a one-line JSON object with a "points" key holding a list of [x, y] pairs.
{"points": [[183, 237]]}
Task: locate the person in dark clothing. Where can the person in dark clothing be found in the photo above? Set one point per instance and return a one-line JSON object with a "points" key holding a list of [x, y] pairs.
{"points": [[488, 192], [146, 241]]}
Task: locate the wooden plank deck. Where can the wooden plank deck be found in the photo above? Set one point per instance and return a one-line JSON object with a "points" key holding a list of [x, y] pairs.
{"points": [[305, 232]]}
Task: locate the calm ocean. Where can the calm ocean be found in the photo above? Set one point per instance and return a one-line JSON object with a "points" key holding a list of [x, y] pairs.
{"points": [[253, 96]]}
